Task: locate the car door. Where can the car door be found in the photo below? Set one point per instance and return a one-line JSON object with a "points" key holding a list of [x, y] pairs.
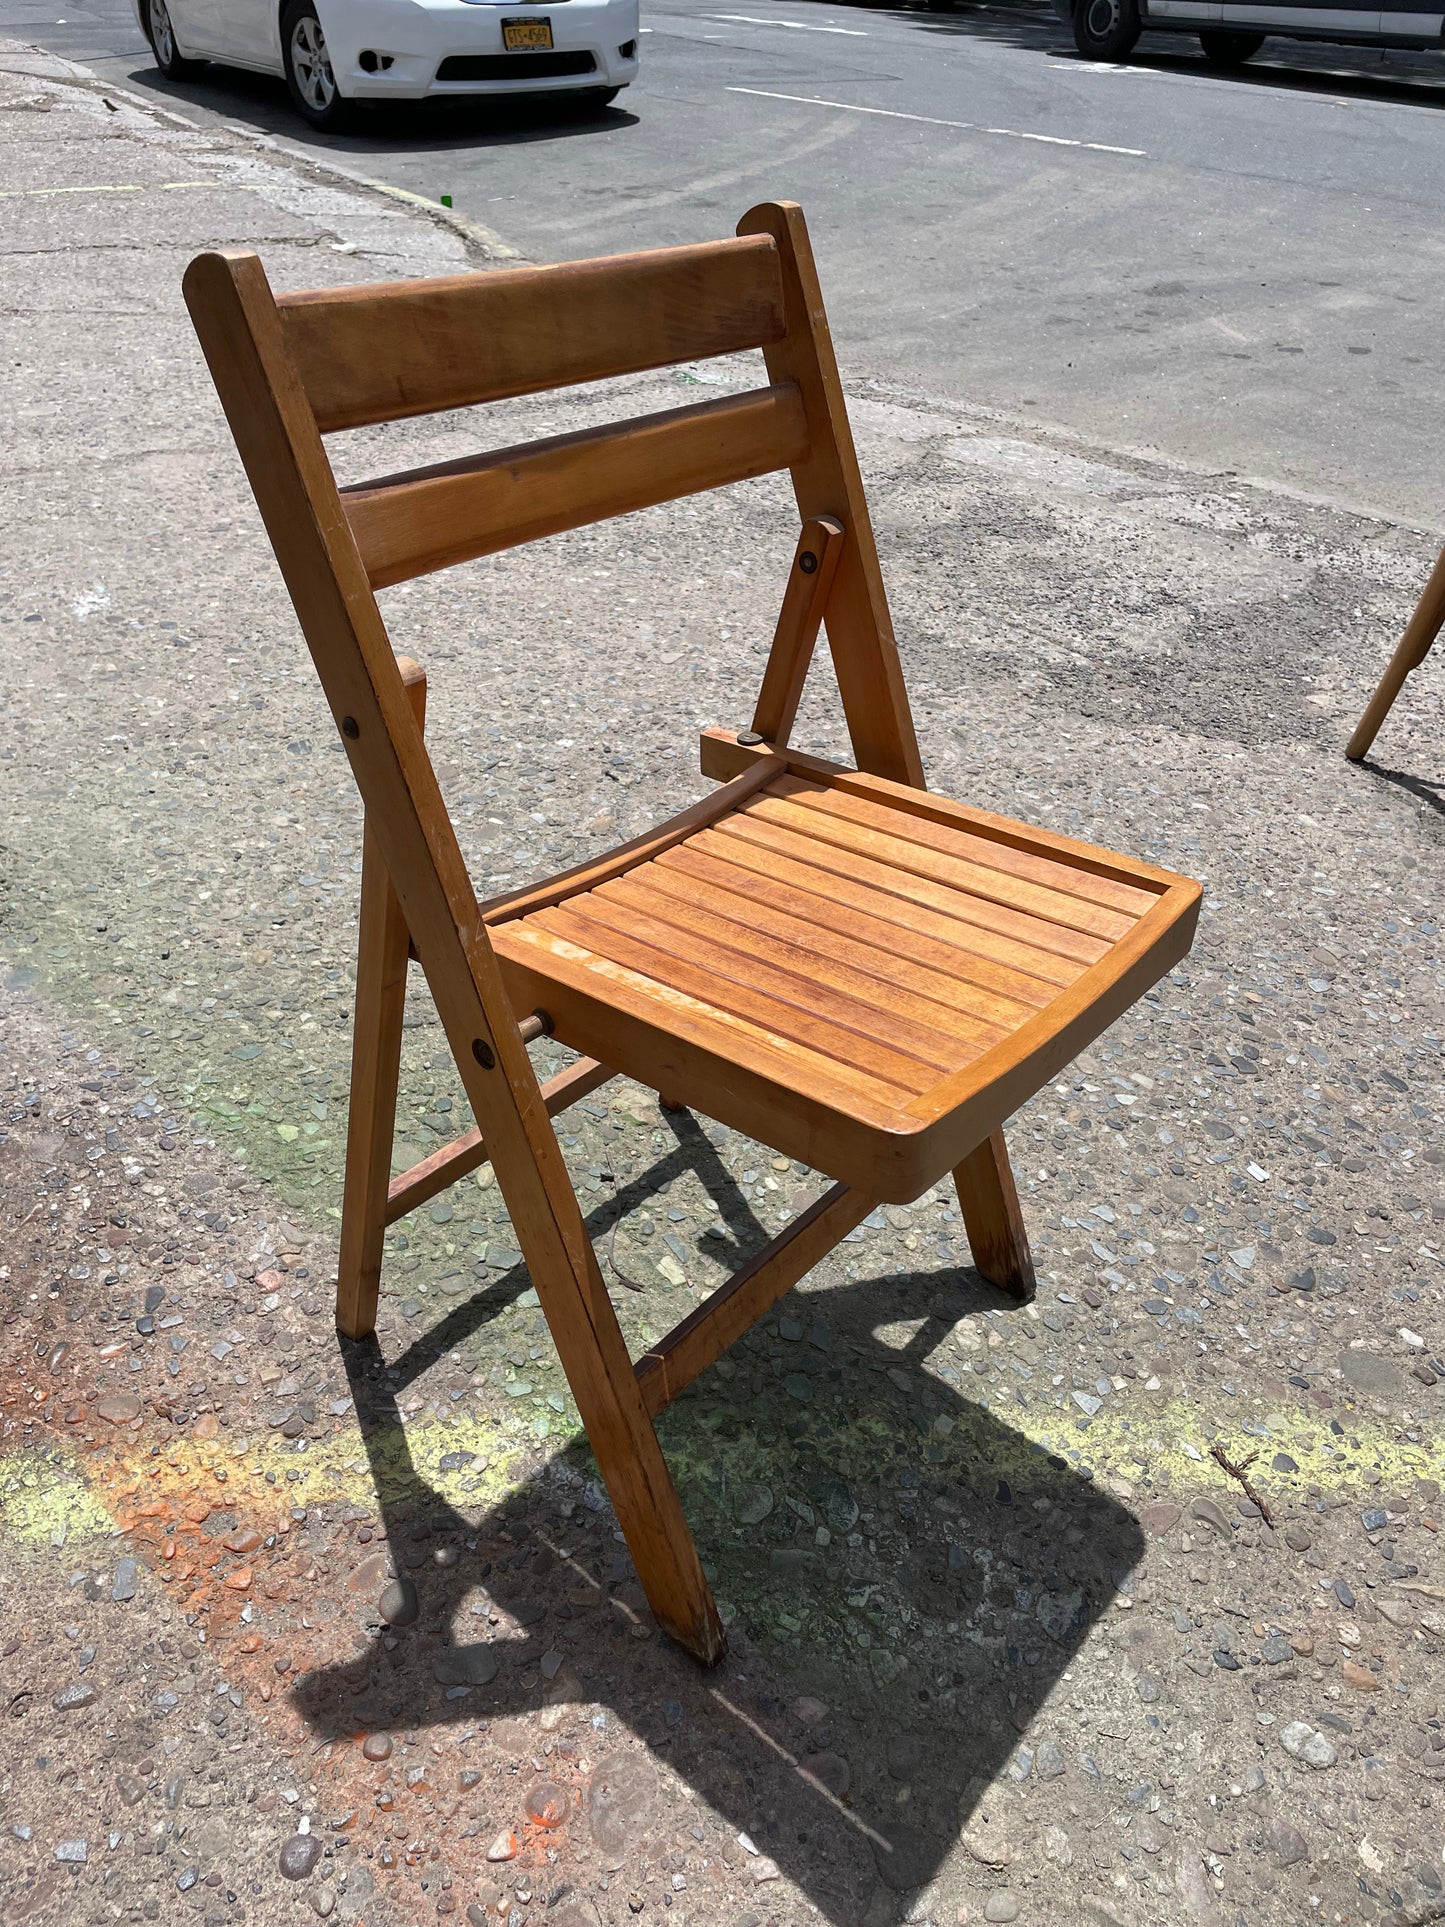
{"points": [[1204, 12], [247, 32], [1306, 17], [197, 24]]}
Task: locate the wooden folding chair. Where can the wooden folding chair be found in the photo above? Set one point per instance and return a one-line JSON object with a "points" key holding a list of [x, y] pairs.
{"points": [[863, 976], [1413, 647]]}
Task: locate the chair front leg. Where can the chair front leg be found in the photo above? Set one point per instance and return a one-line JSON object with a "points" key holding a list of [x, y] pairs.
{"points": [[989, 1200]]}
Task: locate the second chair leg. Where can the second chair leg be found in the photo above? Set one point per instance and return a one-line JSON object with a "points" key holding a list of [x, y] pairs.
{"points": [[989, 1200], [1414, 646]]}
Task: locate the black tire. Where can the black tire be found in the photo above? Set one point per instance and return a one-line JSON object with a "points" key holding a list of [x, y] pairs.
{"points": [[309, 79], [1224, 49], [162, 36], [593, 97], [1106, 29]]}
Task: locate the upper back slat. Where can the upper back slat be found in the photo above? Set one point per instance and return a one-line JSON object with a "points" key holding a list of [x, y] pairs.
{"points": [[378, 353]]}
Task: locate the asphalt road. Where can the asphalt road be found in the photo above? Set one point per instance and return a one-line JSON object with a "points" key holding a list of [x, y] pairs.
{"points": [[1240, 273]]}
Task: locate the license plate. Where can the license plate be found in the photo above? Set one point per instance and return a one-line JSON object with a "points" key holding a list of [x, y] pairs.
{"points": [[526, 35]]}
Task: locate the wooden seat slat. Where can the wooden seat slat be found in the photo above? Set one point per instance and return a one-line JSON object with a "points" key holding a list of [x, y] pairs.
{"points": [[941, 1025], [832, 1037], [898, 981], [904, 855], [906, 928], [410, 525], [984, 912], [388, 350], [954, 840], [544, 962]]}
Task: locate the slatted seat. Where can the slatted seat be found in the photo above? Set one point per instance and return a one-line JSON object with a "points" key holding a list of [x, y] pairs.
{"points": [[864, 947], [864, 976]]}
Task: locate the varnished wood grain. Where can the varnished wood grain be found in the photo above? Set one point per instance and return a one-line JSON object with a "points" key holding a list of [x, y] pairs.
{"points": [[409, 525], [864, 924], [827, 482], [867, 977], [241, 334], [1416, 643], [467, 1153], [397, 348], [670, 1366], [805, 601], [383, 948], [989, 1201], [909, 858], [906, 923]]}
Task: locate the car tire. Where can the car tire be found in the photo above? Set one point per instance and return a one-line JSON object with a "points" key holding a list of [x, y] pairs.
{"points": [[1224, 49], [1106, 29], [309, 79], [162, 36]]}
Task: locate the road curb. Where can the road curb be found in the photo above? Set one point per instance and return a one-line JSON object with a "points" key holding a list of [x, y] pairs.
{"points": [[479, 239]]}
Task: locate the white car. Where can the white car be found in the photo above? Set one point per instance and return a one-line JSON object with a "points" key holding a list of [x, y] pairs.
{"points": [[334, 52]]}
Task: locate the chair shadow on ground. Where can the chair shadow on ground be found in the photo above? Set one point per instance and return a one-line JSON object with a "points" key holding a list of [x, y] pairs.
{"points": [[982, 1565], [1420, 787]]}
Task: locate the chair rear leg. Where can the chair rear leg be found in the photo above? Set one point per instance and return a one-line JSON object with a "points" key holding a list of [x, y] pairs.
{"points": [[383, 948], [989, 1200]]}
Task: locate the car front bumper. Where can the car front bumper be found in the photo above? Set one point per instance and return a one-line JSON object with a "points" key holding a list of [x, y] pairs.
{"points": [[416, 49]]}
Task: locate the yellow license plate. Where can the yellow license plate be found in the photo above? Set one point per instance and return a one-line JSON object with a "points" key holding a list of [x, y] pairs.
{"points": [[525, 36]]}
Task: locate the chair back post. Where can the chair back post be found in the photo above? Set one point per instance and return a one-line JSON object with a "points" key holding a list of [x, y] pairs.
{"points": [[239, 326], [275, 428], [828, 482]]}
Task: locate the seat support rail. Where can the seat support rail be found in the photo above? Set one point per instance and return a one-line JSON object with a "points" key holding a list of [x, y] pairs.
{"points": [[706, 1333], [423, 1181]]}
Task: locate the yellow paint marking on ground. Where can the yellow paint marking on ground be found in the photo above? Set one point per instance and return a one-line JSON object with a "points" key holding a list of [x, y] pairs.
{"points": [[48, 1503], [1125, 1439], [51, 1501], [106, 187]]}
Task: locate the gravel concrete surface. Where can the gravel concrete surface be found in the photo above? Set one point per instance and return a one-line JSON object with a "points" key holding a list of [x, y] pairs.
{"points": [[291, 1627]]}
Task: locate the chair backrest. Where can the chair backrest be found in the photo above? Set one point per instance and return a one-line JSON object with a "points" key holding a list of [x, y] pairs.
{"points": [[292, 369]]}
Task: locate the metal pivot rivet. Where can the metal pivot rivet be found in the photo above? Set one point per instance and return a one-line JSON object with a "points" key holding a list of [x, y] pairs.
{"points": [[808, 562], [350, 727], [482, 1051], [749, 738]]}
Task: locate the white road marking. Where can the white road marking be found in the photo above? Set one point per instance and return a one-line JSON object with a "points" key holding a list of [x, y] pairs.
{"points": [[930, 120], [798, 26]]}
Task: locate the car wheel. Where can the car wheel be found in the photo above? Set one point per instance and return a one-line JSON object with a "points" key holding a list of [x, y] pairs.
{"points": [[1106, 29], [1230, 49], [162, 36], [309, 79], [597, 96]]}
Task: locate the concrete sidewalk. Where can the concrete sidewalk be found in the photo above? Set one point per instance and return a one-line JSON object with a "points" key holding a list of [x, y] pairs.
{"points": [[1008, 1642]]}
